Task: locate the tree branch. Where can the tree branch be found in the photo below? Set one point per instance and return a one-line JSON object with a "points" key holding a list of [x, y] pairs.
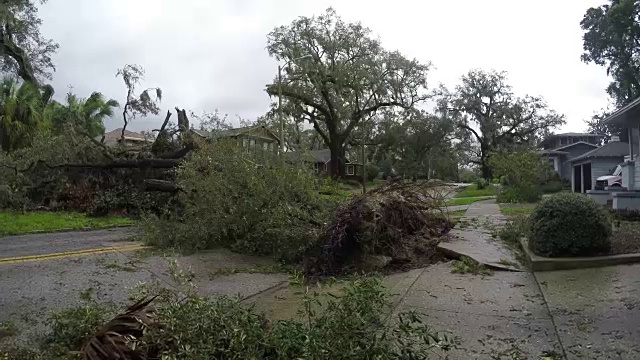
{"points": [[9, 47], [466, 127], [273, 90]]}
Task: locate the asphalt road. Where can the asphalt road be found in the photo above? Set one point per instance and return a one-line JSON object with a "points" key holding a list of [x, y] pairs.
{"points": [[41, 244], [46, 273]]}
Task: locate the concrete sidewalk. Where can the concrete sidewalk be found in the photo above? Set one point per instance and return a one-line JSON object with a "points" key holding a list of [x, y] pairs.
{"points": [[475, 237], [502, 316]]}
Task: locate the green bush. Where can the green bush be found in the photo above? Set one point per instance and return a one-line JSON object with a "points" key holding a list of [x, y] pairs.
{"points": [[229, 199], [372, 171], [569, 225], [481, 184], [71, 328], [552, 187], [519, 194]]}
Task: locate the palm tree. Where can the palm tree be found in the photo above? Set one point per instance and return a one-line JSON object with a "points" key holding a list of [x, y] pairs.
{"points": [[86, 115], [20, 113]]}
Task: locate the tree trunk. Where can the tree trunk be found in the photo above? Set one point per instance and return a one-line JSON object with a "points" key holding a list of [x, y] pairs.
{"points": [[337, 158], [486, 170]]}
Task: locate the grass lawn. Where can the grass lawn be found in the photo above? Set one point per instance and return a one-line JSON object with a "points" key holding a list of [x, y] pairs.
{"points": [[465, 201], [12, 223], [472, 191], [516, 209], [357, 189]]}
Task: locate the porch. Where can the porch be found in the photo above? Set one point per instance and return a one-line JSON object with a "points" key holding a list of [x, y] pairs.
{"points": [[628, 196]]}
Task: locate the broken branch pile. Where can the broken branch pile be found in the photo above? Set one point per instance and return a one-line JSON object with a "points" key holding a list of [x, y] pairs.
{"points": [[398, 222]]}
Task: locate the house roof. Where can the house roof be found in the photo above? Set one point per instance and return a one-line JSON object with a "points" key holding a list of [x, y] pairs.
{"points": [[573, 134], [612, 149], [113, 136], [553, 152], [619, 116], [233, 132], [574, 144]]}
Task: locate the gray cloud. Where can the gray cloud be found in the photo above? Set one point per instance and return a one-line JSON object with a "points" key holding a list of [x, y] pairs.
{"points": [[211, 54]]}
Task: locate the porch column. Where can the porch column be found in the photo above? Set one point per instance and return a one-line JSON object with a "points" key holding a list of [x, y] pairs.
{"points": [[573, 179], [630, 130], [583, 179]]}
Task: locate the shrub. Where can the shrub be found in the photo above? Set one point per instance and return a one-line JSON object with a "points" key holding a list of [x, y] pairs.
{"points": [[230, 200], [481, 184], [625, 214], [519, 194], [521, 172], [552, 187], [569, 225], [372, 171]]}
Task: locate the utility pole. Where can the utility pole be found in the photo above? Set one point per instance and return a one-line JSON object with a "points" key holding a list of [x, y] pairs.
{"points": [[364, 171], [281, 118]]}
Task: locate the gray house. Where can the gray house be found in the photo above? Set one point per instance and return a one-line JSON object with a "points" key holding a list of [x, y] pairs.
{"points": [[601, 161], [561, 148], [627, 117]]}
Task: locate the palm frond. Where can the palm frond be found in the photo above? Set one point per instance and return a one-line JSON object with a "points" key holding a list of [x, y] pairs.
{"points": [[114, 339]]}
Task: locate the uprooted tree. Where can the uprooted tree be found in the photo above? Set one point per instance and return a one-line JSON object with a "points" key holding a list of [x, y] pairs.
{"points": [[337, 73], [485, 108]]}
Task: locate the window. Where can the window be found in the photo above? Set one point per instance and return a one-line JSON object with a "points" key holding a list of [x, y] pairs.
{"points": [[350, 170], [265, 146], [245, 143], [252, 143]]}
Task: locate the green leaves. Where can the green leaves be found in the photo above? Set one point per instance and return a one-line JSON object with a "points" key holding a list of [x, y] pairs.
{"points": [[569, 225], [245, 199], [346, 75], [486, 110], [20, 114], [85, 115], [612, 39]]}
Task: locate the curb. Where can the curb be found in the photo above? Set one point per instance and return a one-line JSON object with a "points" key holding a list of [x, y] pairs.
{"points": [[84, 229], [540, 263]]}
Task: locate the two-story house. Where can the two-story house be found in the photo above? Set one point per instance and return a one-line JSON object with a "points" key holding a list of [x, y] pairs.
{"points": [[561, 148], [257, 140]]}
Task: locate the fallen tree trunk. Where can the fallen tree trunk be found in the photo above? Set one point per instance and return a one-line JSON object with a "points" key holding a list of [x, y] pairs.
{"points": [[160, 185], [118, 164]]}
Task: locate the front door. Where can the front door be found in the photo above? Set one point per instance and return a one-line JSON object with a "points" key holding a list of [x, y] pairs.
{"points": [[577, 179], [586, 176]]}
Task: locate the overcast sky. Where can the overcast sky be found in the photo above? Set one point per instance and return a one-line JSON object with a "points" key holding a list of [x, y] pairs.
{"points": [[208, 54]]}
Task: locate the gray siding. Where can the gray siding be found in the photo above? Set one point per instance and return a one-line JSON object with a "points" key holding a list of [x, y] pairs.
{"points": [[636, 177], [574, 152]]}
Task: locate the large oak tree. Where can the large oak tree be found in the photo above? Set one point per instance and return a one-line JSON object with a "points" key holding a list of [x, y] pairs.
{"points": [[342, 75], [487, 111]]}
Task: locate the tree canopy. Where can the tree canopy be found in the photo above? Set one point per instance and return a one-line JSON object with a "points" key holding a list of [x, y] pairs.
{"points": [[20, 113], [86, 115], [486, 110], [612, 39], [336, 73], [25, 51]]}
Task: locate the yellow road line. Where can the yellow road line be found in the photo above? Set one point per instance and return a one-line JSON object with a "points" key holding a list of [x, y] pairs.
{"points": [[61, 255]]}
